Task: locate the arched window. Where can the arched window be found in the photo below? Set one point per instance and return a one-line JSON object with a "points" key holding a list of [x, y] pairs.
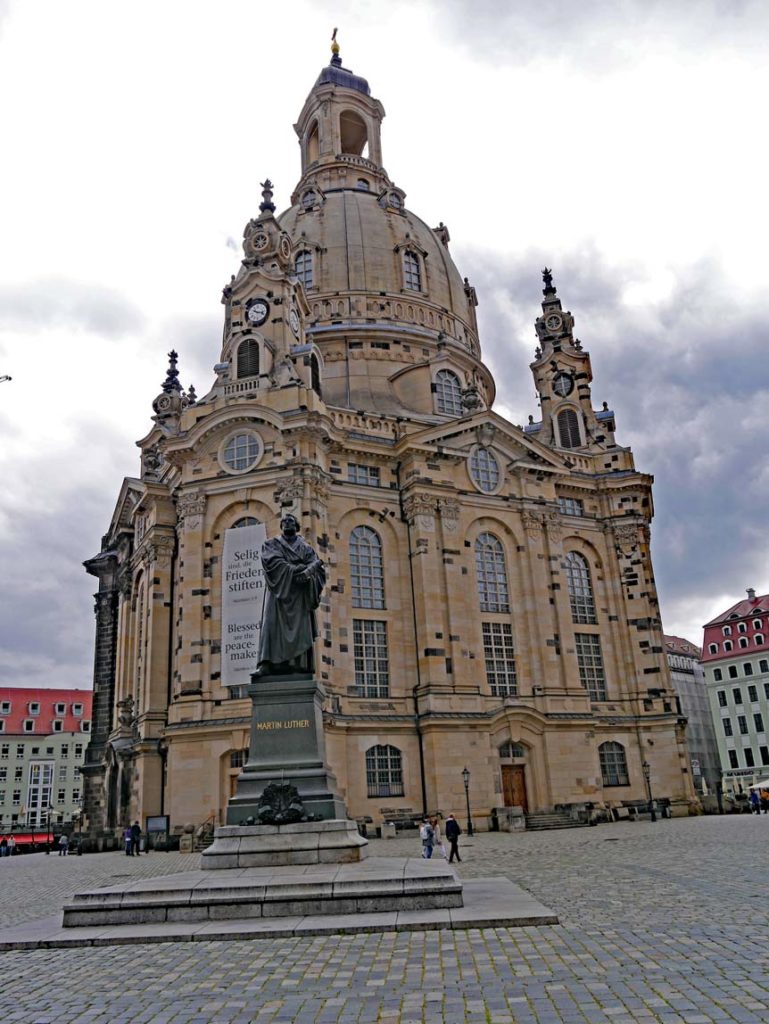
{"points": [[728, 645], [248, 358], [384, 771], [363, 185], [580, 588], [366, 568], [353, 133], [313, 149], [713, 648], [448, 393], [613, 764], [491, 574], [315, 374], [245, 521], [756, 623], [758, 639], [308, 200], [726, 630], [743, 641], [412, 273], [303, 265], [568, 429]]}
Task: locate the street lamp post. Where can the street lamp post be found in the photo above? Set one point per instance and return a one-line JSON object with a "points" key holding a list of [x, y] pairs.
{"points": [[647, 770], [48, 830], [466, 780]]}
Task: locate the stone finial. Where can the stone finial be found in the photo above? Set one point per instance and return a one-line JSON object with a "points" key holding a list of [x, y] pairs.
{"points": [[171, 383], [191, 394], [547, 277], [336, 60], [267, 203]]}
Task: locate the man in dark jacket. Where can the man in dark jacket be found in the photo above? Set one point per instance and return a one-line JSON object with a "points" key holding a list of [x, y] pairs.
{"points": [[136, 834], [452, 831]]}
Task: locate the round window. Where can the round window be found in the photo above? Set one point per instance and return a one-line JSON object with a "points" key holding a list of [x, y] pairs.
{"points": [[241, 452], [484, 470], [308, 200]]}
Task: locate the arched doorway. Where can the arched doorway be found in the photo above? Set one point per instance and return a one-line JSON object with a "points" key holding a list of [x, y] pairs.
{"points": [[513, 766]]}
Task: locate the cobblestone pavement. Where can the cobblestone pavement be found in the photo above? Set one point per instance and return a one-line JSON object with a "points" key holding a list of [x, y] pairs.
{"points": [[661, 922]]}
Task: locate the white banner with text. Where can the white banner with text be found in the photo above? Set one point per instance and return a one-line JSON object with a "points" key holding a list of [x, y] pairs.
{"points": [[242, 603]]}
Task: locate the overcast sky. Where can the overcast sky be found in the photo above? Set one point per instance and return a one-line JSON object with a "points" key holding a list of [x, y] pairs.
{"points": [[623, 144]]}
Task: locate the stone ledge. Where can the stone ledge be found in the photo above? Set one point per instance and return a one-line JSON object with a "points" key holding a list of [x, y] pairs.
{"points": [[488, 903]]}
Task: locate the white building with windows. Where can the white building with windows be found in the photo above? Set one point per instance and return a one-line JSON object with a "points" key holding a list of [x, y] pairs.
{"points": [[490, 602], [43, 737], [735, 658]]}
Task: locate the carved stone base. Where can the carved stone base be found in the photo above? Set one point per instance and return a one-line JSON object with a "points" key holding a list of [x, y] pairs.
{"points": [[287, 745], [305, 842]]}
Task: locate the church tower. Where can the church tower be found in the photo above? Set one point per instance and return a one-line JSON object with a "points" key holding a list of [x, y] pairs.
{"points": [[491, 603]]}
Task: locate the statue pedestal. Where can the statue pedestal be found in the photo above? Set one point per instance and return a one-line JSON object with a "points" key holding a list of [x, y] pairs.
{"points": [[287, 746]]}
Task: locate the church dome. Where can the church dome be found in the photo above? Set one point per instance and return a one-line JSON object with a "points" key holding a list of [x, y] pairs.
{"points": [[370, 260]]}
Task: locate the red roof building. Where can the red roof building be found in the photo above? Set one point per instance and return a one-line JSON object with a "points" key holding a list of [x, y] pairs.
{"points": [[741, 629], [27, 711]]}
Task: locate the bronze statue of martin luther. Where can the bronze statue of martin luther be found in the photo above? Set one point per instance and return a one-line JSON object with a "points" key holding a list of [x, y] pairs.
{"points": [[295, 578]]}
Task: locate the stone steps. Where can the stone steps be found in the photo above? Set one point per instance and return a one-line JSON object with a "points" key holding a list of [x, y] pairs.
{"points": [[381, 886], [551, 820]]}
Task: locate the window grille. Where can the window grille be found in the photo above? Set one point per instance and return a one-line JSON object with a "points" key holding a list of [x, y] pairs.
{"points": [[590, 662], [245, 521], [372, 667], [499, 654], [570, 506], [613, 764], [491, 574], [484, 470], [366, 475], [580, 588], [448, 393], [384, 771], [412, 274], [241, 451], [366, 568], [303, 267]]}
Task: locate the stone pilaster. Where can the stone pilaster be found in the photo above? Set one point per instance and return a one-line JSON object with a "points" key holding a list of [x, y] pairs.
{"points": [[105, 567]]}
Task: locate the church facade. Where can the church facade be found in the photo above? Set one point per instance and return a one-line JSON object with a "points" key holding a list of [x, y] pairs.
{"points": [[490, 603]]}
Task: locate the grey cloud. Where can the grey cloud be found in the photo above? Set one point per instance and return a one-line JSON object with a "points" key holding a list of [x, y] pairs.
{"points": [[597, 33], [46, 606], [57, 302], [689, 382], [198, 340]]}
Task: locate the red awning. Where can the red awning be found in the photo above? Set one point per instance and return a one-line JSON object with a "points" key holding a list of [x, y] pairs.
{"points": [[24, 838]]}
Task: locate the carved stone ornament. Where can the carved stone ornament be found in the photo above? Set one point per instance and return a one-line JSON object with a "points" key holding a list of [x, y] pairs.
{"points": [[486, 433], [449, 509], [280, 804], [125, 712], [532, 521], [152, 460], [626, 537], [554, 527], [160, 552], [125, 582], [319, 483], [421, 509], [290, 490], [190, 508]]}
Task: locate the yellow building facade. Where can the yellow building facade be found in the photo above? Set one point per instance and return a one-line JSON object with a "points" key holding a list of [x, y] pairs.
{"points": [[490, 601]]}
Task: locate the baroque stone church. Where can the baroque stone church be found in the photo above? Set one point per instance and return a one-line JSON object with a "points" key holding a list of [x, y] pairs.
{"points": [[491, 602]]}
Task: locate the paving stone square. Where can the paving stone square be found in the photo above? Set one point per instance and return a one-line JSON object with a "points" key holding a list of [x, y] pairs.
{"points": [[661, 922]]}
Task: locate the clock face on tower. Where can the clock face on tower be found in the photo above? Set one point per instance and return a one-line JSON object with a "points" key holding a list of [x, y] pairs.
{"points": [[257, 311], [563, 383], [553, 322], [293, 322]]}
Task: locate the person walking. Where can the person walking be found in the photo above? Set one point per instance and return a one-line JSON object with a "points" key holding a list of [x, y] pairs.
{"points": [[427, 835], [63, 845], [437, 837], [11, 846], [755, 801], [3, 847], [453, 832], [136, 834], [128, 839]]}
